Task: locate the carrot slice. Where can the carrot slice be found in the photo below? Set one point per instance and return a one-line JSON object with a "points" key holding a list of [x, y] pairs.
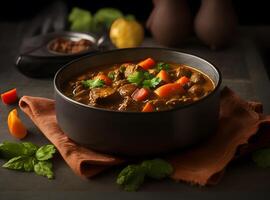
{"points": [[169, 89], [164, 76], [148, 107], [9, 97], [141, 94], [183, 80], [15, 125], [104, 78], [147, 63]]}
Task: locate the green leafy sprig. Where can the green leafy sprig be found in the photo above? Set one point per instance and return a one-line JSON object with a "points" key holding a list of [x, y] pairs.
{"points": [[28, 157], [133, 176], [143, 79]]}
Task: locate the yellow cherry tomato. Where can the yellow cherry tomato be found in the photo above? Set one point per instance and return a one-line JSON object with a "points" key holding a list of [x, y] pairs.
{"points": [[125, 33]]}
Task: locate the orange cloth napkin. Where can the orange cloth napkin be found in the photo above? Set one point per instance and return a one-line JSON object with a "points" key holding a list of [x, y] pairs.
{"points": [[203, 164]]}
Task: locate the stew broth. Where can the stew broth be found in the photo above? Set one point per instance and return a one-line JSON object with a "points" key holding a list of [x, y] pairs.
{"points": [[147, 86]]}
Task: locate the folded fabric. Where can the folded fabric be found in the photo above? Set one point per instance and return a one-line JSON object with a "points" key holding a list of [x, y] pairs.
{"points": [[203, 164]]}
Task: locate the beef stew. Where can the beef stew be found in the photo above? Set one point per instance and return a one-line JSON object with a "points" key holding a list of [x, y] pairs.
{"points": [[146, 86]]}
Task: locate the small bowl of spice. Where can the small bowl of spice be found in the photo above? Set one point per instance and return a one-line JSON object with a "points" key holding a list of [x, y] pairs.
{"points": [[72, 45]]}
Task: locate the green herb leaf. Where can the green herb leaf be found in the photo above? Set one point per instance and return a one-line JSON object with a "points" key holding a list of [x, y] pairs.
{"points": [[10, 150], [21, 163], [15, 163], [151, 83], [45, 152], [44, 168], [106, 16], [122, 69], [111, 75], [157, 168], [136, 77], [262, 157], [80, 20], [95, 83], [163, 66], [131, 177], [147, 75], [29, 164]]}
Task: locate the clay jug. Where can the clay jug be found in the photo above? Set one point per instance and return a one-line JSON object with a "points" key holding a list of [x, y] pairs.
{"points": [[170, 21], [216, 22]]}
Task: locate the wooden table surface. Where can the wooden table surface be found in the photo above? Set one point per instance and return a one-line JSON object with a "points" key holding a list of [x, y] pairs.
{"points": [[242, 69]]}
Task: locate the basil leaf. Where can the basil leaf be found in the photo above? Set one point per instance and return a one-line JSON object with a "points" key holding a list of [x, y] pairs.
{"points": [[95, 83], [151, 83], [15, 163], [157, 168], [44, 168], [10, 150], [131, 177], [262, 157], [29, 164], [136, 77], [45, 152], [21, 163]]}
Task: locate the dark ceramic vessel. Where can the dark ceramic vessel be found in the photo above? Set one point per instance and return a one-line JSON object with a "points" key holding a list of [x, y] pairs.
{"points": [[132, 133]]}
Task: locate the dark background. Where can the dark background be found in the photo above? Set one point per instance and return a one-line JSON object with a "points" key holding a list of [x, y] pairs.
{"points": [[249, 12]]}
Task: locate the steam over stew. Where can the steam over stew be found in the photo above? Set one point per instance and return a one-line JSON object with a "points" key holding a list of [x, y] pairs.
{"points": [[147, 86]]}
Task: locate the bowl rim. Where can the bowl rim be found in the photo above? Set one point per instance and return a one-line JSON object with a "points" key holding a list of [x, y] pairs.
{"points": [[58, 73]]}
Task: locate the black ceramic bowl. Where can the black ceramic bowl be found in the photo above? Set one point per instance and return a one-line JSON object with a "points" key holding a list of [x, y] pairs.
{"points": [[134, 133]]}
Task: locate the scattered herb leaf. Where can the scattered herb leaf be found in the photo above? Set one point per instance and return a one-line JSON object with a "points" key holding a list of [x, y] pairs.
{"points": [[111, 75], [164, 66], [136, 77], [151, 83], [21, 163], [27, 157], [131, 177], [44, 168], [122, 69], [157, 168], [10, 150], [95, 83], [262, 157], [144, 79], [147, 75], [45, 152]]}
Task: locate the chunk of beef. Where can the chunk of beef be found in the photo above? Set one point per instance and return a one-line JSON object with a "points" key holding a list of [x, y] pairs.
{"points": [[188, 85], [197, 78], [131, 68], [127, 89], [196, 90], [117, 84], [182, 71], [99, 95], [129, 104], [118, 74]]}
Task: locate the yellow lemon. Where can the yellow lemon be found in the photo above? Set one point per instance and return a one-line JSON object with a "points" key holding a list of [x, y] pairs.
{"points": [[125, 33]]}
